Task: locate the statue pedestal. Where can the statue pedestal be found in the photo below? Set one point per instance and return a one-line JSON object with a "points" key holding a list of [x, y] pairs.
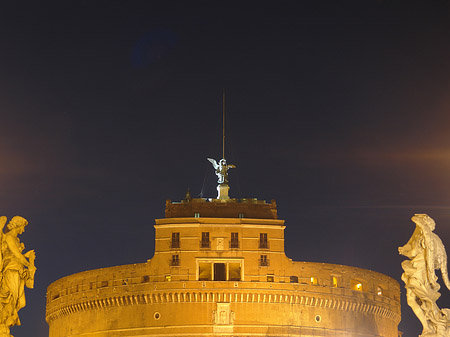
{"points": [[222, 190]]}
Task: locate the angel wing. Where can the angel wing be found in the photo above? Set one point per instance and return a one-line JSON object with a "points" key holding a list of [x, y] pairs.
{"points": [[213, 162]]}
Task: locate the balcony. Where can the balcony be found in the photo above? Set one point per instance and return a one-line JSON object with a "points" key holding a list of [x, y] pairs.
{"points": [[234, 244], [263, 262], [263, 244], [175, 262], [205, 244]]}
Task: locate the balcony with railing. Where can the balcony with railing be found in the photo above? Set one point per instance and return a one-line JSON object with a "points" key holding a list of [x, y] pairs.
{"points": [[263, 244], [234, 244], [205, 244]]}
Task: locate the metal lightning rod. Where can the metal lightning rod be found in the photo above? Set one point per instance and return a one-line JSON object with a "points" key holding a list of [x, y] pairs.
{"points": [[223, 124]]}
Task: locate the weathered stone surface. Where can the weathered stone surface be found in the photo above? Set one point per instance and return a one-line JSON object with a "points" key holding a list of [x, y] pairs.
{"points": [[271, 296], [426, 253], [17, 271]]}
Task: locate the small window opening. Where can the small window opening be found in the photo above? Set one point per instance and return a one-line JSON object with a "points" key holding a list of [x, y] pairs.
{"points": [[263, 243], [270, 278], [234, 243], [314, 281], [175, 260], [205, 243], [379, 291], [196, 215], [293, 279], [175, 240], [263, 261], [335, 282]]}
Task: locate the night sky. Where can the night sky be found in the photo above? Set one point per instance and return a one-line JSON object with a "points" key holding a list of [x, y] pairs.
{"points": [[338, 110]]}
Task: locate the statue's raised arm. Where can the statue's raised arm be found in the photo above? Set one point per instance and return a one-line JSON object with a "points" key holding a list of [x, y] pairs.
{"points": [[17, 271], [426, 253]]}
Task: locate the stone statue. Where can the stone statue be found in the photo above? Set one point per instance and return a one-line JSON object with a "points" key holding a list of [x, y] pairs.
{"points": [[17, 271], [221, 170], [426, 253]]}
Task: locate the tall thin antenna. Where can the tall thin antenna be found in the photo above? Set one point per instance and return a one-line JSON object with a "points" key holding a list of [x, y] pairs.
{"points": [[223, 124]]}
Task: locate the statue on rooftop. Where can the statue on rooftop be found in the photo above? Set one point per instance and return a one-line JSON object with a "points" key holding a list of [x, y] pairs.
{"points": [[17, 271], [426, 253], [221, 170]]}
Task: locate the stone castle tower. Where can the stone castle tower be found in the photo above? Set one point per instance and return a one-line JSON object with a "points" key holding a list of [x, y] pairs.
{"points": [[220, 269]]}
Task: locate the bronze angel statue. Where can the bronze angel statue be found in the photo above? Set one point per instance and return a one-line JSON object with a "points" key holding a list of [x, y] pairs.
{"points": [[426, 253], [221, 170], [17, 271]]}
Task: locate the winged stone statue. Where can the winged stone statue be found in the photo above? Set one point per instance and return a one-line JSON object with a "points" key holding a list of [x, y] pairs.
{"points": [[426, 253], [221, 169]]}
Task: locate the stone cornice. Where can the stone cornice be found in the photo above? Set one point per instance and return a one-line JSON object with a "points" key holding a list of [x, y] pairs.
{"points": [[181, 297]]}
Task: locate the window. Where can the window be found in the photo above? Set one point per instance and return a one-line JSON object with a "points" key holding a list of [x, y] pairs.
{"points": [[168, 278], [263, 240], [263, 261], [205, 240], [379, 291], [335, 281], [356, 285], [314, 281], [196, 215], [234, 271], [175, 260], [204, 271], [293, 279], [221, 270], [234, 243], [270, 278], [175, 240]]}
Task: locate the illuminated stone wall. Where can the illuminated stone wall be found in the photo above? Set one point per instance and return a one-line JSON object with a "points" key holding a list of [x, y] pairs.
{"points": [[271, 296]]}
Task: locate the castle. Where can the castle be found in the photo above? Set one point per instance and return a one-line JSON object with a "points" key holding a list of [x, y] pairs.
{"points": [[220, 269]]}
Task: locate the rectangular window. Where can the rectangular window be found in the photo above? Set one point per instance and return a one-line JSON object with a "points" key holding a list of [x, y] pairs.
{"points": [[205, 243], [293, 279], [204, 271], [175, 240], [175, 260], [270, 278], [219, 271], [234, 271], [234, 243], [263, 261], [335, 282], [263, 240]]}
